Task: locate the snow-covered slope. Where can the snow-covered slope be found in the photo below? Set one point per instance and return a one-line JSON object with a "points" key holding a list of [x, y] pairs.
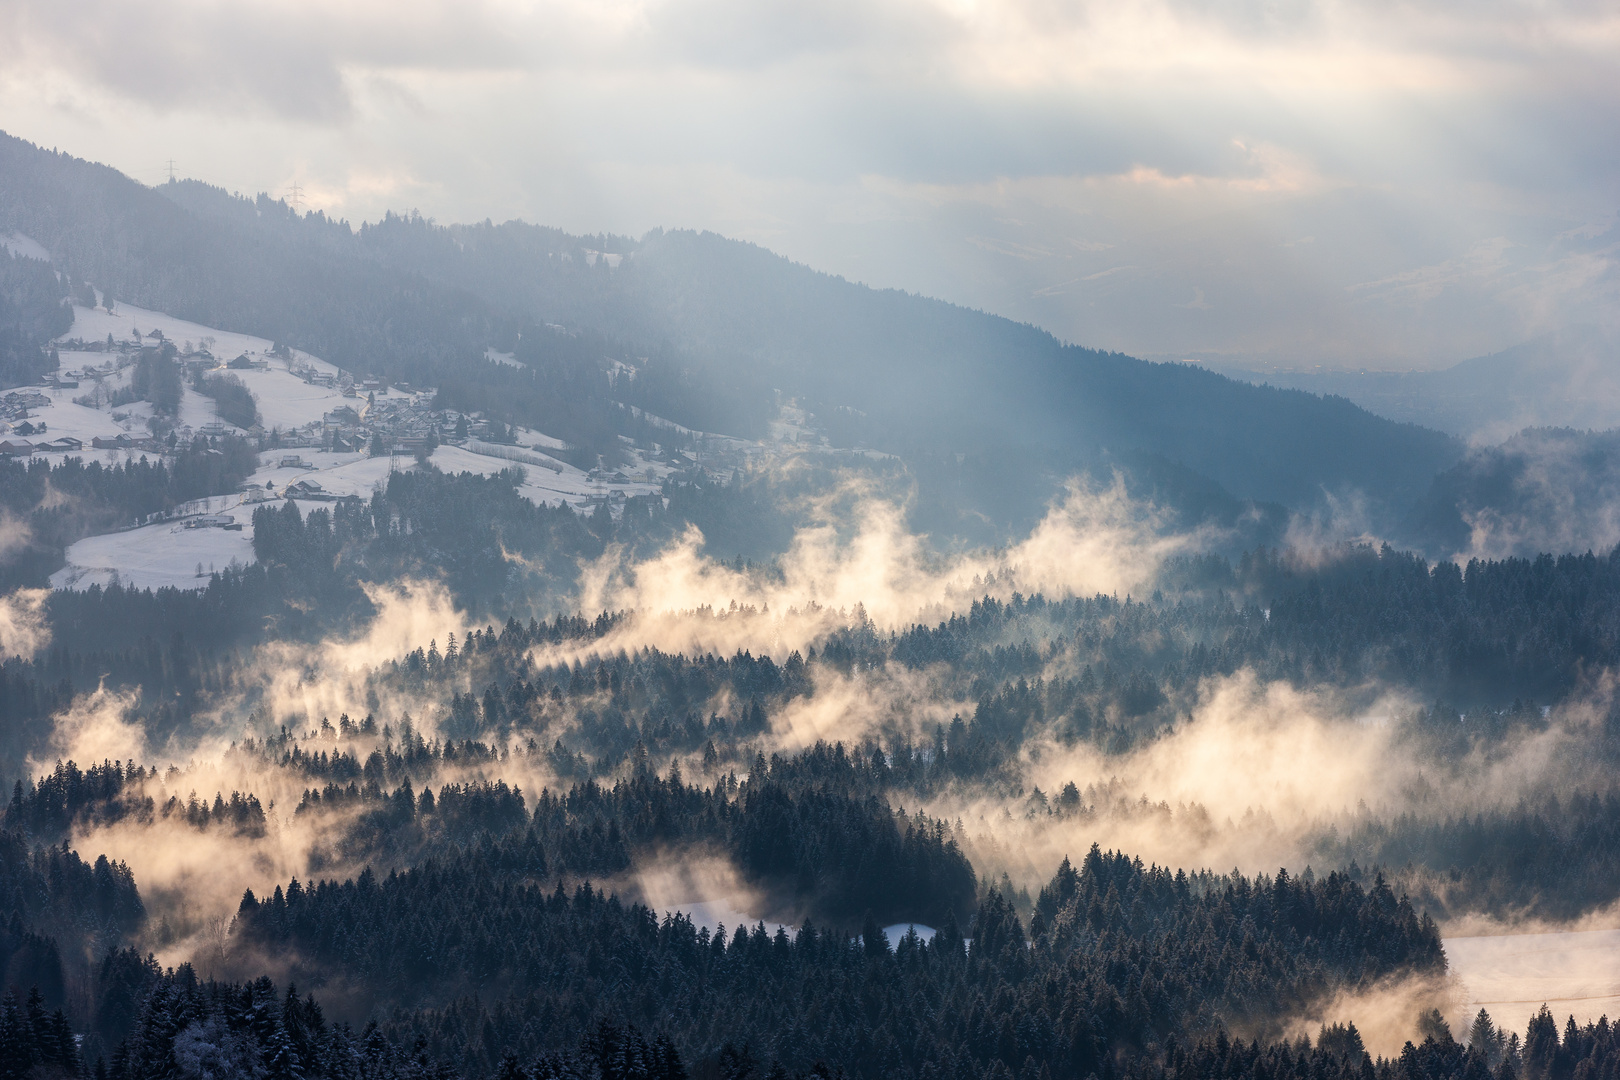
{"points": [[94, 324], [288, 401], [155, 556], [24, 246]]}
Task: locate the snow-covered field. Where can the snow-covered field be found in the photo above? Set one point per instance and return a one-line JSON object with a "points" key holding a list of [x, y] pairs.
{"points": [[541, 485], [285, 400], [25, 247], [337, 474], [1511, 975], [154, 556], [63, 418], [898, 930], [94, 324], [167, 553]]}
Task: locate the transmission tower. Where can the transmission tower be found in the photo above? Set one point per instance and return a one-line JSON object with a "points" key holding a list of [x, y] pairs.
{"points": [[170, 167], [296, 197]]}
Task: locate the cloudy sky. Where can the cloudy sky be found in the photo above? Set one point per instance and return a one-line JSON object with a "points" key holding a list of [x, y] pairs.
{"points": [[1322, 182]]}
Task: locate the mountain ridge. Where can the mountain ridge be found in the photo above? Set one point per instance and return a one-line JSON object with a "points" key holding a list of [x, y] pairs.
{"points": [[721, 323]]}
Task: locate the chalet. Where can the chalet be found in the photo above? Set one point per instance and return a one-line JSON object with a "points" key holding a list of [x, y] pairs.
{"points": [[342, 416], [27, 399], [16, 448], [304, 489], [115, 442], [61, 444]]}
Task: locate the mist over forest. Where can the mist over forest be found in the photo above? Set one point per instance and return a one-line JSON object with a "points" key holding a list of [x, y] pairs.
{"points": [[616, 657]]}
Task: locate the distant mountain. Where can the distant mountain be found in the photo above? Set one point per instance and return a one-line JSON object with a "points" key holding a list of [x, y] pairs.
{"points": [[889, 369], [710, 332], [1544, 490], [1566, 379]]}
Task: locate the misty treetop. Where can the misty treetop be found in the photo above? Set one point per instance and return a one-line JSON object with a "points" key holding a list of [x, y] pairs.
{"points": [[1123, 964]]}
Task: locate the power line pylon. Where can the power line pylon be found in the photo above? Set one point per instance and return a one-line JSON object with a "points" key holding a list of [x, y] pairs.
{"points": [[296, 197], [170, 167]]}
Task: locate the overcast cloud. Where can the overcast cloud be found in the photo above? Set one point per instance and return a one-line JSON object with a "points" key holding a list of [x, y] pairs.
{"points": [[1339, 183]]}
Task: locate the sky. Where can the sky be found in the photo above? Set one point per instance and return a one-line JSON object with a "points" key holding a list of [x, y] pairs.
{"points": [[1323, 183]]}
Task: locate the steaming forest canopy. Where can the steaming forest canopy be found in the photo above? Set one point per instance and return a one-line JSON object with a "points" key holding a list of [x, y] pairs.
{"points": [[645, 657]]}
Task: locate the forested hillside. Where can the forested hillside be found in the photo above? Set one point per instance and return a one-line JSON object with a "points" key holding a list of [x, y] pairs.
{"points": [[1545, 489], [33, 310], [716, 333]]}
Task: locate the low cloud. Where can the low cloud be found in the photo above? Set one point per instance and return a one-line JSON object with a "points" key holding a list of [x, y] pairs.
{"points": [[101, 726], [864, 564], [1386, 1014], [24, 629]]}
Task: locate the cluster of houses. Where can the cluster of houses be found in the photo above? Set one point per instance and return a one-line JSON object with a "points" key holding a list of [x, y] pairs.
{"points": [[401, 422], [21, 434], [12, 446], [214, 521]]}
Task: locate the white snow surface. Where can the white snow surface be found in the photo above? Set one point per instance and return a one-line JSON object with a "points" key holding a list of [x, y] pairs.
{"points": [[285, 400], [167, 553], [503, 358], [94, 324], [898, 930], [64, 419], [529, 437], [541, 486], [337, 474], [1575, 973], [25, 246], [154, 556]]}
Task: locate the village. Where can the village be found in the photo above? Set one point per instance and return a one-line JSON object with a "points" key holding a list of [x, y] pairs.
{"points": [[322, 434]]}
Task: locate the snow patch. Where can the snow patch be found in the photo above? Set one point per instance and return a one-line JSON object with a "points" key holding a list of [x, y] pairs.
{"points": [[898, 930], [25, 247]]}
